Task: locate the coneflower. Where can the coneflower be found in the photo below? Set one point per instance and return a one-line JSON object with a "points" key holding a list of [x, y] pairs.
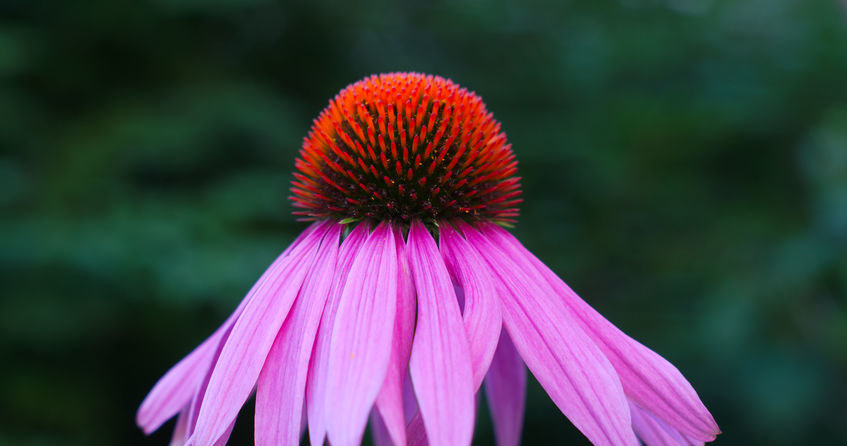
{"points": [[366, 316]]}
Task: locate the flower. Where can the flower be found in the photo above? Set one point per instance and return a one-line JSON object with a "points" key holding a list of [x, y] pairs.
{"points": [[366, 316]]}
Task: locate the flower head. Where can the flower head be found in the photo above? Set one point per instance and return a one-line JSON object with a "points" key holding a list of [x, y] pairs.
{"points": [[383, 323], [404, 147]]}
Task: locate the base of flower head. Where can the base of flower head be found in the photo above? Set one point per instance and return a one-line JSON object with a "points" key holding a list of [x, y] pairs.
{"points": [[401, 326]]}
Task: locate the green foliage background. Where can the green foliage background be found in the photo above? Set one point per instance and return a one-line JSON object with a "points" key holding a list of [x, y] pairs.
{"points": [[684, 163]]}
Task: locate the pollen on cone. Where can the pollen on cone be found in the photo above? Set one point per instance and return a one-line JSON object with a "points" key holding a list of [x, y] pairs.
{"points": [[403, 147]]}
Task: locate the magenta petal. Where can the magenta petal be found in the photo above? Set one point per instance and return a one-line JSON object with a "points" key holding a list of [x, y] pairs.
{"points": [[197, 400], [361, 338], [389, 402], [177, 387], [379, 431], [654, 432], [178, 436], [251, 338], [505, 388], [410, 403], [281, 388], [440, 363], [224, 438], [316, 395], [481, 312], [416, 432], [648, 379], [566, 362]]}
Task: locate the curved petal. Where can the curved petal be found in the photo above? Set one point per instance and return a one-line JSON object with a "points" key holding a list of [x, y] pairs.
{"points": [[281, 388], [654, 432], [416, 432], [177, 387], [505, 388], [481, 312], [252, 335], [197, 401], [566, 362], [224, 438], [389, 402], [316, 395], [361, 338], [379, 431], [648, 379], [178, 436], [440, 363]]}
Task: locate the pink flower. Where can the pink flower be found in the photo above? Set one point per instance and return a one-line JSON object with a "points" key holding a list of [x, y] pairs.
{"points": [[376, 320]]}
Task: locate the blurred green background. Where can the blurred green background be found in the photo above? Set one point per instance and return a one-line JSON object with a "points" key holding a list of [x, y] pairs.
{"points": [[684, 164]]}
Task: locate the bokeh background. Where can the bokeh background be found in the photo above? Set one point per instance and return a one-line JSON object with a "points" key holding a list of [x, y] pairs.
{"points": [[684, 164]]}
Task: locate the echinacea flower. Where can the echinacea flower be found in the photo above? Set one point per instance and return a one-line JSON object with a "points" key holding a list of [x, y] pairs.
{"points": [[366, 316]]}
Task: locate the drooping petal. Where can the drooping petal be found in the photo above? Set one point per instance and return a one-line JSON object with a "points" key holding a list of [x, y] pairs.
{"points": [[224, 438], [440, 362], [566, 362], [416, 432], [505, 389], [379, 431], [648, 379], [197, 401], [361, 338], [316, 395], [252, 335], [280, 391], [177, 387], [481, 312], [655, 432], [178, 436], [410, 403], [389, 402]]}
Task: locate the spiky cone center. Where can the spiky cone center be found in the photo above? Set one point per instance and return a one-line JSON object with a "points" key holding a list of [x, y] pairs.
{"points": [[406, 146]]}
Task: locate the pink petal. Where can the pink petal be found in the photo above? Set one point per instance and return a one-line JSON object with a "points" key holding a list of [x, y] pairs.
{"points": [[361, 338], [410, 403], [282, 382], [481, 312], [178, 436], [224, 438], [440, 363], [197, 401], [389, 402], [176, 388], [566, 362], [379, 431], [251, 338], [316, 395], [416, 432], [654, 432], [505, 388], [648, 379]]}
